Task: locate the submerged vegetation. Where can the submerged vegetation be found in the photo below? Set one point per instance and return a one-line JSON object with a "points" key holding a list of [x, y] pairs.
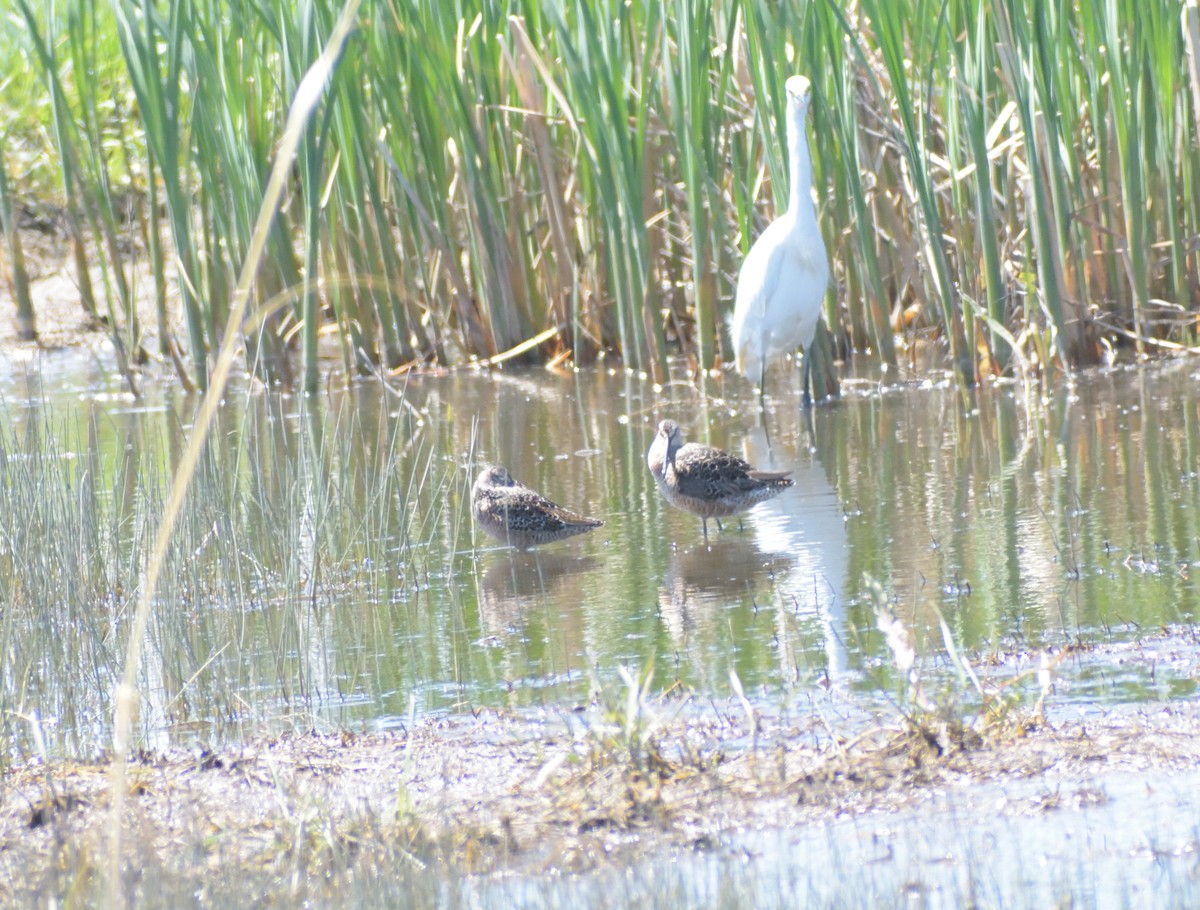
{"points": [[287, 539], [574, 178]]}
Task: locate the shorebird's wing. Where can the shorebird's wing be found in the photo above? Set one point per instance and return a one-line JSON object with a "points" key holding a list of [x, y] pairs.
{"points": [[527, 509], [707, 473]]}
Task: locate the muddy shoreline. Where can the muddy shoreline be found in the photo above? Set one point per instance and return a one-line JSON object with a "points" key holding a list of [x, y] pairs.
{"points": [[510, 795]]}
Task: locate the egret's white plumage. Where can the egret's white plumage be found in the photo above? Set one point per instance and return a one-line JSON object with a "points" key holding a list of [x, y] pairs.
{"points": [[783, 280]]}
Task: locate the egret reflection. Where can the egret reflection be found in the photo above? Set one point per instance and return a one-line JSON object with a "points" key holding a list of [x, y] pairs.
{"points": [[806, 523]]}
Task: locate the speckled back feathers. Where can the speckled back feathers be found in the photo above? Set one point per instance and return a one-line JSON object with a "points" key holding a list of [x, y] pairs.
{"points": [[514, 514], [705, 481]]}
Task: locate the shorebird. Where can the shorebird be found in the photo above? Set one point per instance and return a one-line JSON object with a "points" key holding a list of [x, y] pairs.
{"points": [[519, 516], [706, 481], [783, 280]]}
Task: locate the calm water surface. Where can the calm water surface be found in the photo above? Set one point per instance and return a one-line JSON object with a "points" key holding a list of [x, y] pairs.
{"points": [[327, 568]]}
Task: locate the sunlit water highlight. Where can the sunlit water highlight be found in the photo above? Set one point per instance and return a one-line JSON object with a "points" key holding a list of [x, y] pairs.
{"points": [[327, 570]]}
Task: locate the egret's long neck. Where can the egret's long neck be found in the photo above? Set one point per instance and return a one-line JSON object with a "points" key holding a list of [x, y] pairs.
{"points": [[800, 204]]}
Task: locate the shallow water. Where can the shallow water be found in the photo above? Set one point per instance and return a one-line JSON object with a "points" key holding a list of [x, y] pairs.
{"points": [[327, 570]]}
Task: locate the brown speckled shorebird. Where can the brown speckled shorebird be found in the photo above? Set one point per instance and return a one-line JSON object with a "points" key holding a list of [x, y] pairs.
{"points": [[519, 516], [706, 481]]}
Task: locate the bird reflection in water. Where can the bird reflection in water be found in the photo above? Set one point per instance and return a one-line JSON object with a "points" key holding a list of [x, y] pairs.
{"points": [[515, 583], [793, 560], [701, 581], [807, 523]]}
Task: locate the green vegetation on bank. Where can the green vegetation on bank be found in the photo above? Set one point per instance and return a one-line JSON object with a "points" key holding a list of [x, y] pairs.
{"points": [[1016, 178]]}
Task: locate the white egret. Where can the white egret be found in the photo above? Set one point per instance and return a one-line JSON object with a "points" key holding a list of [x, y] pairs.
{"points": [[783, 280]]}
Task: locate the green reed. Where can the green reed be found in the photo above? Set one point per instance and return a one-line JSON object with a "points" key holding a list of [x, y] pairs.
{"points": [[1005, 176], [79, 147], [26, 319]]}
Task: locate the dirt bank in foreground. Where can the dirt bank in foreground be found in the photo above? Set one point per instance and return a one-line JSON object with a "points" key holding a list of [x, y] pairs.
{"points": [[297, 815]]}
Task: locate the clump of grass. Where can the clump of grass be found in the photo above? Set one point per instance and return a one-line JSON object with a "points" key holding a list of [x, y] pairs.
{"points": [[626, 729], [966, 710], [627, 765]]}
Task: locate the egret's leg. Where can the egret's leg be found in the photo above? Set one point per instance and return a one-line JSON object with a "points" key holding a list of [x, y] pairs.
{"points": [[704, 525], [762, 386], [762, 422], [718, 521], [807, 398]]}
